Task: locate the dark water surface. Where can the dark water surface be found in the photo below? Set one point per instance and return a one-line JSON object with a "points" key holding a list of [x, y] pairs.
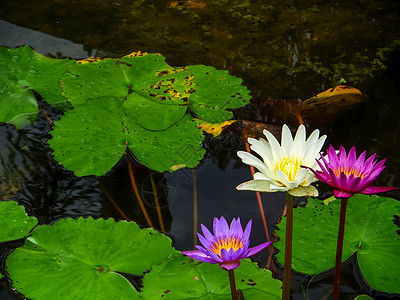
{"points": [[281, 50]]}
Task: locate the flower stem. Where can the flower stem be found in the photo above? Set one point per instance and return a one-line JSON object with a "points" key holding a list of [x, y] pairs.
{"points": [[338, 263], [287, 269], [233, 284]]}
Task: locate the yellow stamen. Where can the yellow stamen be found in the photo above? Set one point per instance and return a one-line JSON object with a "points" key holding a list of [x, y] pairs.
{"points": [[289, 166], [348, 171], [222, 243]]}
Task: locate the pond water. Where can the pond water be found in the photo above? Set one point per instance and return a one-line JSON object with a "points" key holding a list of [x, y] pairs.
{"points": [[281, 49]]}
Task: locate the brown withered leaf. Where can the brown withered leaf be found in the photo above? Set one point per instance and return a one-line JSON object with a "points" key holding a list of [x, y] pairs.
{"points": [[329, 103], [255, 130], [214, 128]]}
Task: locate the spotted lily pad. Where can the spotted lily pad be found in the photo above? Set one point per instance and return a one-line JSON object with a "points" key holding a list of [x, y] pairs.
{"points": [[14, 222], [23, 70], [369, 231], [83, 258], [183, 278], [140, 102]]}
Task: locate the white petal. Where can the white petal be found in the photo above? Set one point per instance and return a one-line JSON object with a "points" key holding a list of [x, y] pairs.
{"points": [[275, 147], [284, 179], [299, 141], [286, 140], [301, 175], [255, 185], [304, 191], [262, 149], [260, 176], [310, 148], [250, 159], [278, 188]]}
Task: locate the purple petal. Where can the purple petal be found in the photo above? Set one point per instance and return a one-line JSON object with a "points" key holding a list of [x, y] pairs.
{"points": [[214, 256], [256, 249], [197, 255], [377, 189], [202, 249], [342, 194], [207, 234], [247, 231], [225, 255], [230, 265], [206, 243], [236, 228], [221, 227]]}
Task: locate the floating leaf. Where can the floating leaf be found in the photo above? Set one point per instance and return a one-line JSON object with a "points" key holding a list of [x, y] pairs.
{"points": [[21, 71], [14, 222], [91, 144], [141, 102], [369, 231], [81, 259], [330, 103], [183, 278], [363, 297]]}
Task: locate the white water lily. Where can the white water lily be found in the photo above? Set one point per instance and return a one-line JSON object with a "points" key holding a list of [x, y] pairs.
{"points": [[284, 167]]}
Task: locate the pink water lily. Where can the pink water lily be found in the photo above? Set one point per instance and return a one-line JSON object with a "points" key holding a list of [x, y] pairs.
{"points": [[227, 246], [349, 175]]}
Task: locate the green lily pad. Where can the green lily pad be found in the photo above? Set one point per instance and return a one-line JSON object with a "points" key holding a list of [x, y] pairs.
{"points": [[369, 231], [215, 91], [14, 222], [81, 259], [21, 71], [91, 144], [183, 278]]}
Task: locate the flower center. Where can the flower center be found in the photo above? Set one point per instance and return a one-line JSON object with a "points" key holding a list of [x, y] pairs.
{"points": [[289, 166], [348, 171], [223, 243]]}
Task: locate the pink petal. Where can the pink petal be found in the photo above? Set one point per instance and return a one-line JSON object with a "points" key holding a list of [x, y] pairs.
{"points": [[376, 189], [230, 265], [342, 154], [342, 194], [256, 249], [360, 161], [351, 159], [205, 242]]}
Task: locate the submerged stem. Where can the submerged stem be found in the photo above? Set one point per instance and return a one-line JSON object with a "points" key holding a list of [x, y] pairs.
{"points": [[139, 199], [194, 207], [233, 284], [339, 248], [287, 269], [159, 214]]}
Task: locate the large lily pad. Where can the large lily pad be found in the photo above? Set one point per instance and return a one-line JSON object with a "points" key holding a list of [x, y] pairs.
{"points": [[369, 231], [21, 71], [183, 278], [91, 144], [14, 222], [141, 102], [81, 259]]}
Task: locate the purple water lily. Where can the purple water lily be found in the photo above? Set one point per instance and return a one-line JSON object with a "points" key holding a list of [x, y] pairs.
{"points": [[349, 175], [227, 246]]}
